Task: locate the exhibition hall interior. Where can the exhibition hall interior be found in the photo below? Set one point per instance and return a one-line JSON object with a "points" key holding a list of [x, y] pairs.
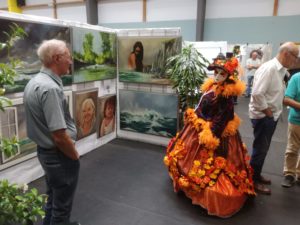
{"points": [[159, 138]]}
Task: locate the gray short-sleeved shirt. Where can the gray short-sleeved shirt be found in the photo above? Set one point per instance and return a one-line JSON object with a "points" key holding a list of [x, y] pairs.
{"points": [[46, 109]]}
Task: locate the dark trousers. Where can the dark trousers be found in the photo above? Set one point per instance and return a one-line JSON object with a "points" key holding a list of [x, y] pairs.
{"points": [[249, 85], [263, 131], [61, 175]]}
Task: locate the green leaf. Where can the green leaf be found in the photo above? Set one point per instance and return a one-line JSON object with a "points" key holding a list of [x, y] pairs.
{"points": [[187, 73]]}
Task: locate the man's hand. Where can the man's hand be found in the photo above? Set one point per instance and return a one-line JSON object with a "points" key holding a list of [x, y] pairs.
{"points": [[65, 144], [268, 112]]}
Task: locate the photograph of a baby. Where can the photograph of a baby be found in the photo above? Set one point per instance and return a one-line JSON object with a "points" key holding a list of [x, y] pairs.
{"points": [[107, 110]]}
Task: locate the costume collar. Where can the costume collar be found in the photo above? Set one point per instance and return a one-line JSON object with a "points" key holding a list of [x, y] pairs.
{"points": [[236, 88]]}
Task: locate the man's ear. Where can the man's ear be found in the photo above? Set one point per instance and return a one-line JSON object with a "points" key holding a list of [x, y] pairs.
{"points": [[55, 58]]}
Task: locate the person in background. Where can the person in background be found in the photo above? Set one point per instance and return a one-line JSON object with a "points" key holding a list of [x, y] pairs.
{"points": [[108, 122], [87, 121], [265, 107], [240, 72], [291, 169], [51, 127], [135, 59], [252, 65], [207, 160]]}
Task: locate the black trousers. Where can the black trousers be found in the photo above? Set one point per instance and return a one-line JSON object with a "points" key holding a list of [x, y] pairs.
{"points": [[264, 129], [61, 175]]}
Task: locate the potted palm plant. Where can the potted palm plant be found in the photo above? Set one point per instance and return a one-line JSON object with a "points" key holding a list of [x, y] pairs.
{"points": [[187, 73], [18, 204]]}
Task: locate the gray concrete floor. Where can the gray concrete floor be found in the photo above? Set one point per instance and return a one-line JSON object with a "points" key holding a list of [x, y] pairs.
{"points": [[126, 183]]}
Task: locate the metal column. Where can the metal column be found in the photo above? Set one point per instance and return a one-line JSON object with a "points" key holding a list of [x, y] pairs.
{"points": [[201, 8], [92, 11]]}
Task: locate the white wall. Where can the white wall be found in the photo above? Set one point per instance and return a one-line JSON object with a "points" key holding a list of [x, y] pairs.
{"points": [[166, 10], [116, 11], [289, 7], [74, 12], [253, 8], [238, 8], [128, 11], [125, 11]]}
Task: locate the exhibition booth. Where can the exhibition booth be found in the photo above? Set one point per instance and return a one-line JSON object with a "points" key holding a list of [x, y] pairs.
{"points": [[144, 103]]}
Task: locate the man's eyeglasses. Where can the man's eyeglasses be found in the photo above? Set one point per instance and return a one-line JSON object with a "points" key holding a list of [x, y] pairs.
{"points": [[65, 56], [294, 55]]}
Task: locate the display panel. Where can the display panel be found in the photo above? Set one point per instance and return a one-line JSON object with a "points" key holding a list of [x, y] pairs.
{"points": [[148, 112]]}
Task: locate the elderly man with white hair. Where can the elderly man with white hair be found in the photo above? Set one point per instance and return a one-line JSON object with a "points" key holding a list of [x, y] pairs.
{"points": [[50, 125], [266, 106]]}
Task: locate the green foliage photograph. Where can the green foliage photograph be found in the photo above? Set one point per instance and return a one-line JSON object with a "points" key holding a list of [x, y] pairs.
{"points": [[94, 54]]}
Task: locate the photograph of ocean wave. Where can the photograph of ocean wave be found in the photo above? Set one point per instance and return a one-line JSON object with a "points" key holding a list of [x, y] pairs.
{"points": [[148, 112]]}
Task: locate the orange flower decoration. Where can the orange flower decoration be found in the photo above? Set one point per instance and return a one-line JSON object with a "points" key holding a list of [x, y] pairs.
{"points": [[183, 182], [206, 179], [231, 65], [220, 162]]}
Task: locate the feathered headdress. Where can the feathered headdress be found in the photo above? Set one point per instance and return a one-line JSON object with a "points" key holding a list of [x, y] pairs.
{"points": [[229, 63]]}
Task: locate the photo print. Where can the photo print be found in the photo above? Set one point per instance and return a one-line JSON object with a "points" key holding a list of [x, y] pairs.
{"points": [[85, 109], [143, 59], [94, 54], [27, 36], [107, 115], [148, 113], [12, 123]]}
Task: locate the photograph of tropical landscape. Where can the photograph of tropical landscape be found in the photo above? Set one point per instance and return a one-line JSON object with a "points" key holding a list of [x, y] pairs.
{"points": [[143, 59]]}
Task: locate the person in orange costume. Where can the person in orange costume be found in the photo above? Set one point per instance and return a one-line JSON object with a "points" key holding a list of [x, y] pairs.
{"points": [[207, 159]]}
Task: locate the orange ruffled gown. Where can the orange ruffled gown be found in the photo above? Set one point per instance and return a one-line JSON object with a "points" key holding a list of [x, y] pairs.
{"points": [[207, 160]]}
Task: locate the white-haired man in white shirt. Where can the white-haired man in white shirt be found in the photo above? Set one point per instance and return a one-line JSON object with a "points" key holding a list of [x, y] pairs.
{"points": [[266, 106]]}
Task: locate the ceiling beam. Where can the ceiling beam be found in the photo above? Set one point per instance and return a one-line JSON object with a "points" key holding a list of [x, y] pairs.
{"points": [[54, 9], [144, 10], [275, 8]]}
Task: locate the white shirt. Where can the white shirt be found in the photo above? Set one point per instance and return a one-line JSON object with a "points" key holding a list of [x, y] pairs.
{"points": [[251, 62], [268, 90]]}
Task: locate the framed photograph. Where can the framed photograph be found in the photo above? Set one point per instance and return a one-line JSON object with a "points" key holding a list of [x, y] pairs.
{"points": [[143, 59], [24, 49], [9, 129], [85, 110], [12, 123], [148, 112], [94, 54], [106, 115], [69, 98]]}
